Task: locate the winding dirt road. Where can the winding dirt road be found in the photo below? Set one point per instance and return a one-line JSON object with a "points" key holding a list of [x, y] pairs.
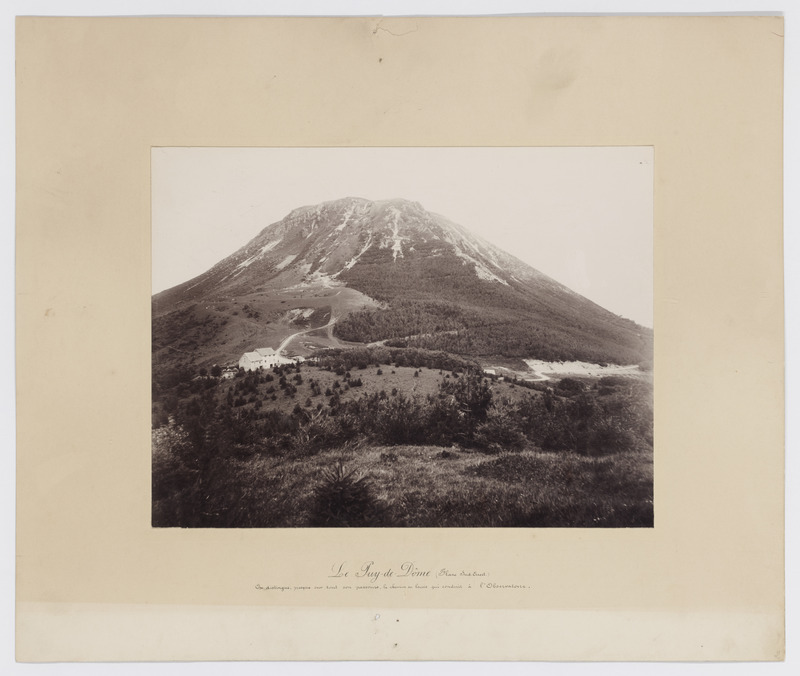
{"points": [[286, 341]]}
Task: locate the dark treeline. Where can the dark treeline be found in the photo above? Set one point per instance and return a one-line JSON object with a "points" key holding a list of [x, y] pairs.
{"points": [[487, 333], [406, 318], [523, 339]]}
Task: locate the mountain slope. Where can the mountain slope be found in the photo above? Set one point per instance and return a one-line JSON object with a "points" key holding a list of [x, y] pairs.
{"points": [[385, 270]]}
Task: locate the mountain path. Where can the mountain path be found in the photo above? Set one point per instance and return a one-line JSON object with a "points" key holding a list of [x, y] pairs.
{"points": [[286, 341]]}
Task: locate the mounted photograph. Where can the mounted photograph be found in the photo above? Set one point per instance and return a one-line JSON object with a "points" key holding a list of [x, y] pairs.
{"points": [[402, 337]]}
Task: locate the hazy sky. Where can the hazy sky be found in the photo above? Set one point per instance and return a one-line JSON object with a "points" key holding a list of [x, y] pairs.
{"points": [[584, 216]]}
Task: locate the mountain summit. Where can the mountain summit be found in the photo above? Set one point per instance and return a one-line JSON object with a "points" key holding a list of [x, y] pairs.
{"points": [[323, 242], [386, 270]]}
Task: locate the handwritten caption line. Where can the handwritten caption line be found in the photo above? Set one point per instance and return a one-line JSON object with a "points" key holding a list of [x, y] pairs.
{"points": [[407, 576]]}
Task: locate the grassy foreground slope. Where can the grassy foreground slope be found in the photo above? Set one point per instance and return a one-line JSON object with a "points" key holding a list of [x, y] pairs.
{"points": [[428, 486]]}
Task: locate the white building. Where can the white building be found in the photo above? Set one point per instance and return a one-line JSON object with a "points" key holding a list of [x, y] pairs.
{"points": [[262, 357], [265, 358]]}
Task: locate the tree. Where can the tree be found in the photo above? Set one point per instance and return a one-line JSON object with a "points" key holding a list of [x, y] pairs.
{"points": [[473, 397]]}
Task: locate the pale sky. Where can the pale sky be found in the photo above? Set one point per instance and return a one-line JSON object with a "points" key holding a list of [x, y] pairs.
{"points": [[583, 216]]}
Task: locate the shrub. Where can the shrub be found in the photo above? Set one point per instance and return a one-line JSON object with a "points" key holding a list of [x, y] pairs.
{"points": [[472, 396], [501, 431], [443, 420], [569, 386], [609, 436], [345, 499], [320, 431], [612, 381], [171, 449], [399, 420]]}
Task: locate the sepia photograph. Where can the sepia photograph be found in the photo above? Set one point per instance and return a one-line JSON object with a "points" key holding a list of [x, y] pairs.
{"points": [[392, 337]]}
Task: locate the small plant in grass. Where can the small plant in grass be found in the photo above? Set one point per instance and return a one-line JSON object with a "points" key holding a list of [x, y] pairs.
{"points": [[344, 498]]}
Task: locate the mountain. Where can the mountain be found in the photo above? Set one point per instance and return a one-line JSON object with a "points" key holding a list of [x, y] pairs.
{"points": [[366, 271]]}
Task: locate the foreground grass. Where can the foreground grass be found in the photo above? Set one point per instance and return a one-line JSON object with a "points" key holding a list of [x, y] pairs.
{"points": [[419, 486]]}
